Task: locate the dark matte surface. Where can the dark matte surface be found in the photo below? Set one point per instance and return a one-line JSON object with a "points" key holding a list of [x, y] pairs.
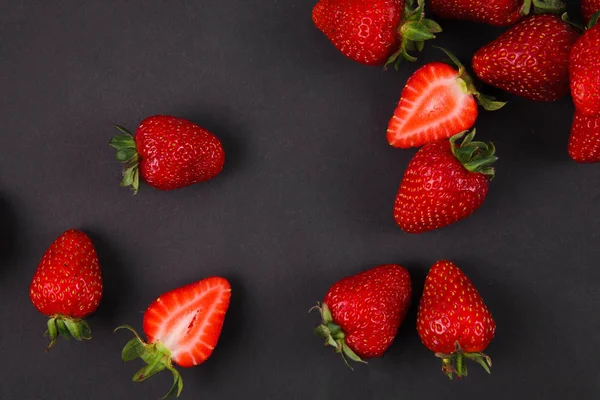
{"points": [[306, 198]]}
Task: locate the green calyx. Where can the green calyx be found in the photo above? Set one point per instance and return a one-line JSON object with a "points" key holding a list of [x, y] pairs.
{"points": [[157, 358], [593, 20], [414, 30], [67, 327], [455, 363], [543, 7], [476, 157], [128, 155], [334, 335], [465, 81]]}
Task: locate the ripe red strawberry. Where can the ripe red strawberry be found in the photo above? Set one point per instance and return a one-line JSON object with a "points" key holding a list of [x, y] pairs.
{"points": [[361, 314], [589, 8], [438, 101], [493, 12], [530, 60], [444, 183], [584, 144], [453, 320], [168, 153], [182, 327], [67, 286], [374, 32], [584, 69]]}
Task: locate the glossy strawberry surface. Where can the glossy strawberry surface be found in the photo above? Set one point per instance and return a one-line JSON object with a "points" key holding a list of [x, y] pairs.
{"points": [[370, 306], [68, 280], [530, 60], [437, 190], [366, 31], [493, 12], [584, 69], [175, 153], [451, 311], [584, 143], [589, 8]]}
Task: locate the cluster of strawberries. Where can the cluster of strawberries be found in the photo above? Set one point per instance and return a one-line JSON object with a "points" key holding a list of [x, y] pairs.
{"points": [[361, 315], [181, 326], [538, 58]]}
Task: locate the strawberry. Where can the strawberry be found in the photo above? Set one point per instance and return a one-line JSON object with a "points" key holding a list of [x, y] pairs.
{"points": [[438, 101], [589, 8], [584, 143], [374, 32], [531, 59], [453, 320], [361, 314], [182, 327], [67, 286], [444, 183], [493, 12], [168, 153], [584, 67]]}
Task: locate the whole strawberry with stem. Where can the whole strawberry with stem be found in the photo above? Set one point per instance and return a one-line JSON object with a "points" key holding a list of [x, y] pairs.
{"points": [[361, 314], [493, 12], [530, 60], [584, 68], [584, 143], [182, 327], [168, 153], [588, 9], [375, 32], [67, 286], [437, 102], [444, 183], [453, 321]]}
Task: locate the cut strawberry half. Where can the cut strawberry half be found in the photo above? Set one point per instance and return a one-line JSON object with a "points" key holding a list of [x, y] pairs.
{"points": [[437, 102], [182, 327]]}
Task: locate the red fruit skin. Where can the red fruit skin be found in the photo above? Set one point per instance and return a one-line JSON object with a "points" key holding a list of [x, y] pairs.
{"points": [[430, 108], [202, 336], [437, 190], [451, 310], [492, 12], [584, 143], [365, 31], [175, 153], [68, 280], [584, 70], [531, 59], [370, 306], [589, 8]]}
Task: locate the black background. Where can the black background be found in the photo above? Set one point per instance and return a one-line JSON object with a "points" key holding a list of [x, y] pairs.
{"points": [[306, 198]]}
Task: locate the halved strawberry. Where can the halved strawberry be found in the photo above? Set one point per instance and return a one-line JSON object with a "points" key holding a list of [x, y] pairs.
{"points": [[437, 102], [182, 326]]}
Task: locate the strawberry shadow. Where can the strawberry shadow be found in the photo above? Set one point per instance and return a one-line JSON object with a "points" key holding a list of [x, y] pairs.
{"points": [[117, 282], [408, 330], [9, 235]]}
